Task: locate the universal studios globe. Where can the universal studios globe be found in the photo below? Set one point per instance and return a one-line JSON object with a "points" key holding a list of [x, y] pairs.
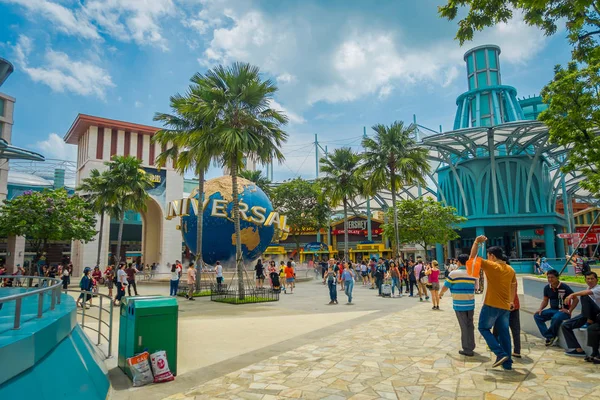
{"points": [[257, 227]]}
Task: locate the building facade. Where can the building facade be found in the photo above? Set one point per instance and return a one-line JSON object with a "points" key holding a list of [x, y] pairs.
{"points": [[97, 140]]}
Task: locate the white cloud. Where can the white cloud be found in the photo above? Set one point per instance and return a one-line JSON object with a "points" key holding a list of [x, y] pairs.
{"points": [[61, 73], [293, 117], [345, 63], [138, 104], [55, 147], [64, 19], [385, 91], [137, 20], [124, 20], [286, 78]]}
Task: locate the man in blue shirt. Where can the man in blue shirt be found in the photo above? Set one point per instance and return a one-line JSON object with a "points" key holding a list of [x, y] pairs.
{"points": [[555, 293], [462, 288]]}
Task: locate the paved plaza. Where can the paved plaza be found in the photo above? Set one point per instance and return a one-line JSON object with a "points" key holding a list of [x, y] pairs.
{"points": [[378, 348]]}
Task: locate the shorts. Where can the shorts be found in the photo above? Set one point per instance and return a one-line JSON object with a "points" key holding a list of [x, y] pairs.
{"points": [[363, 273], [260, 277], [435, 286], [109, 284], [289, 280]]}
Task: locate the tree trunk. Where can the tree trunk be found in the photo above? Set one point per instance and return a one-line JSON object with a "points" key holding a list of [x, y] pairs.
{"points": [[346, 254], [199, 223], [394, 208], [119, 238], [100, 238], [239, 261]]}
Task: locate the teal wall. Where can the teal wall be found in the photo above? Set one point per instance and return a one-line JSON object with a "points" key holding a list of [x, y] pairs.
{"points": [[50, 357], [470, 189]]}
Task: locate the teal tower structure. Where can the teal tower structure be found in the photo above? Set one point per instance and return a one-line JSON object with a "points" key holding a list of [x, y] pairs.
{"points": [[487, 102], [497, 167]]}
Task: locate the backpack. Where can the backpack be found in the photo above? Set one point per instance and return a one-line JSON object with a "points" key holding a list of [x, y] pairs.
{"points": [[585, 267], [422, 272]]}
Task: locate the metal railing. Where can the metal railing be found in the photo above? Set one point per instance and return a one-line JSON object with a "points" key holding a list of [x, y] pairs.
{"points": [[45, 286], [98, 324]]}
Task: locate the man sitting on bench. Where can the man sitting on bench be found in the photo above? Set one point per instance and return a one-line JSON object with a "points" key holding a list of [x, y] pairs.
{"points": [[589, 319], [560, 310]]}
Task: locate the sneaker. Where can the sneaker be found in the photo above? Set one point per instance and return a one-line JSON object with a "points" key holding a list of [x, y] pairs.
{"points": [[336, 302], [550, 342], [433, 308], [420, 299], [507, 368], [465, 353], [426, 298], [575, 353], [500, 361], [192, 299], [516, 355], [584, 327], [332, 302], [410, 295]]}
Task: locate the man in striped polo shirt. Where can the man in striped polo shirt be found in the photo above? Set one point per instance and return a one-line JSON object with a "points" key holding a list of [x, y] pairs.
{"points": [[462, 288]]}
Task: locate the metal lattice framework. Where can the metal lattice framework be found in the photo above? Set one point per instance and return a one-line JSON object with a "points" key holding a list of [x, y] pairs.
{"points": [[529, 138], [46, 169]]}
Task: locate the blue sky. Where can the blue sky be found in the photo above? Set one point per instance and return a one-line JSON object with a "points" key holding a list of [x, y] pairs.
{"points": [[340, 65]]}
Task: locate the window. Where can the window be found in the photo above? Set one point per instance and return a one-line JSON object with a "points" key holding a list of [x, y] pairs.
{"points": [[487, 121], [1, 107], [480, 58], [493, 78], [472, 82], [482, 80], [1, 127], [470, 64], [492, 59], [485, 104]]}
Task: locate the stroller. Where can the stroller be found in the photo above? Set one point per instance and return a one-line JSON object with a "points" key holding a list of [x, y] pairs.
{"points": [[275, 284]]}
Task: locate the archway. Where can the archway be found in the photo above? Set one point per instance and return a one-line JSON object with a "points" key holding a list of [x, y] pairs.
{"points": [[152, 227]]}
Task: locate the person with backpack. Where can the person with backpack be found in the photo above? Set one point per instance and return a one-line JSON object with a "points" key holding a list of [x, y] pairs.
{"points": [[379, 275], [421, 279], [85, 284], [331, 278]]}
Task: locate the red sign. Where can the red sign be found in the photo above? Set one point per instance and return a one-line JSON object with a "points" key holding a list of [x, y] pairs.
{"points": [[539, 232], [592, 237], [376, 232]]}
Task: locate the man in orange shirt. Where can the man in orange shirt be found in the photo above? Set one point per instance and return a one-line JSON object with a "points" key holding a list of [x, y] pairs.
{"points": [[498, 302]]}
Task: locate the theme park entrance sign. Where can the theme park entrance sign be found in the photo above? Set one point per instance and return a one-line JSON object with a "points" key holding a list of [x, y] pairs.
{"points": [[255, 214], [376, 232]]}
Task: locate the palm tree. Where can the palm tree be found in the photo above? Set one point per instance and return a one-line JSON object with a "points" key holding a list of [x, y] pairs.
{"points": [[235, 103], [128, 183], [98, 194], [392, 159], [341, 182], [184, 145], [259, 179]]}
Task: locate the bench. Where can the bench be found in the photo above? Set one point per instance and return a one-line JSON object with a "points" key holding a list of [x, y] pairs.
{"points": [[533, 289]]}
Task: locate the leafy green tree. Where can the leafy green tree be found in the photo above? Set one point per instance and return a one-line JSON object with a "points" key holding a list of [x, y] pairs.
{"points": [[46, 216], [184, 144], [341, 182], [392, 160], [259, 179], [97, 193], [573, 101], [301, 202], [580, 17], [128, 183], [235, 103], [424, 221]]}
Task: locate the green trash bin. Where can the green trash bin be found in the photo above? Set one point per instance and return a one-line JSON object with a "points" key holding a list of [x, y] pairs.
{"points": [[148, 323]]}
